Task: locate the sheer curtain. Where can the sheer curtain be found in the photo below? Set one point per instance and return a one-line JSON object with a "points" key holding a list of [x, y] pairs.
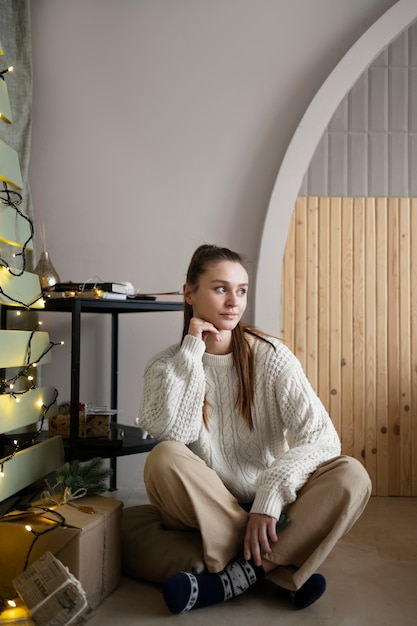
{"points": [[15, 36]]}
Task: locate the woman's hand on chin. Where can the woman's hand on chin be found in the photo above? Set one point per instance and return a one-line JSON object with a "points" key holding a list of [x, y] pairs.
{"points": [[203, 330]]}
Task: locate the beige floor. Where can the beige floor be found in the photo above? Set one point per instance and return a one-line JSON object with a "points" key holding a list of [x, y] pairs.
{"points": [[371, 580]]}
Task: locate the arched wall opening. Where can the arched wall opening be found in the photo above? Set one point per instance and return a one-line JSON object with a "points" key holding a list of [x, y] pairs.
{"points": [[300, 152]]}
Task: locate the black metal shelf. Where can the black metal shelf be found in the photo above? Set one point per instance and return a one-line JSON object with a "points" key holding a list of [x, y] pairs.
{"points": [[123, 439]]}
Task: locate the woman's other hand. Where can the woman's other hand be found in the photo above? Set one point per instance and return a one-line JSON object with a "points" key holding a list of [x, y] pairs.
{"points": [[260, 531]]}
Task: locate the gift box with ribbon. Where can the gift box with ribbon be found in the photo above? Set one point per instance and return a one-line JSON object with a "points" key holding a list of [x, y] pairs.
{"points": [[84, 534]]}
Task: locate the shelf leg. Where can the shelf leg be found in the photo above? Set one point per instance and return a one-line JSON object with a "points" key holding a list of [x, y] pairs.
{"points": [[114, 386]]}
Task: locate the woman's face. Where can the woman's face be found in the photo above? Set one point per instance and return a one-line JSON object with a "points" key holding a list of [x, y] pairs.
{"points": [[221, 295]]}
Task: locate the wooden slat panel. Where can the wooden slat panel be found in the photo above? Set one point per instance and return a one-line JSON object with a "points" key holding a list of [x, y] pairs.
{"points": [[312, 292], [300, 312], [30, 465], [364, 291], [5, 111], [14, 230], [358, 328], [14, 415], [24, 289], [10, 166], [346, 339], [413, 343], [381, 220], [404, 391], [370, 355], [393, 347], [14, 347], [288, 279], [334, 315], [323, 387]]}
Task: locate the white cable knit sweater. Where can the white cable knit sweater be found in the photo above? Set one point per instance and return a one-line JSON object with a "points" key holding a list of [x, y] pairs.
{"points": [[255, 465]]}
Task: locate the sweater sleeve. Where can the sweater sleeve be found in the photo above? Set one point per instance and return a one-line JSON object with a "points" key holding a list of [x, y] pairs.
{"points": [[314, 440], [173, 394]]}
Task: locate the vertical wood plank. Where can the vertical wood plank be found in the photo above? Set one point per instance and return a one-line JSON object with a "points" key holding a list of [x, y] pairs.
{"points": [[358, 329], [393, 349], [335, 305], [405, 357], [413, 342], [382, 484], [369, 420], [288, 303], [300, 312], [323, 387], [347, 326], [312, 292]]}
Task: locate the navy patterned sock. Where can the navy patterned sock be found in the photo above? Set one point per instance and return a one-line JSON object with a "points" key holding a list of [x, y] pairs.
{"points": [[309, 593], [184, 592]]}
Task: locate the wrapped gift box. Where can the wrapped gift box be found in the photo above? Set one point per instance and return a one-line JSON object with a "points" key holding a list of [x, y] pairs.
{"points": [[89, 544], [53, 595], [89, 425]]}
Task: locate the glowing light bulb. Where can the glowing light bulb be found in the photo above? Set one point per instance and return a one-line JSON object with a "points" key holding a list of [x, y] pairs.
{"points": [[28, 528], [12, 603]]}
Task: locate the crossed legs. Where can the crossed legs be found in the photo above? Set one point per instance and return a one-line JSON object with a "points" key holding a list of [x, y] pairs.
{"points": [[190, 495]]}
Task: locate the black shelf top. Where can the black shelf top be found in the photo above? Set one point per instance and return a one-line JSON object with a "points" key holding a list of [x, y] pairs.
{"points": [[124, 440], [92, 305]]}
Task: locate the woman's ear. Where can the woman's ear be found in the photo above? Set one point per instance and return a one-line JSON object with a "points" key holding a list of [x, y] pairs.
{"points": [[187, 294]]}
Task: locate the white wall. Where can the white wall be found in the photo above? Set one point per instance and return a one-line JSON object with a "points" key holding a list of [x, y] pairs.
{"points": [[159, 125]]}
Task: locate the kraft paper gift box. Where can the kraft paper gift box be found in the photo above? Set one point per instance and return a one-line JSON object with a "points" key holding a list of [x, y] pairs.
{"points": [[89, 425], [89, 544]]}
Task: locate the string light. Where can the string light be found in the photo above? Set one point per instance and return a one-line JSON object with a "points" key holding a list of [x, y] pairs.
{"points": [[19, 445], [9, 69], [57, 523], [8, 385], [26, 305], [13, 199], [25, 372]]}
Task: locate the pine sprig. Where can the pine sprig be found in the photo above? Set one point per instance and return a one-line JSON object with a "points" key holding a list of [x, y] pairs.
{"points": [[90, 475]]}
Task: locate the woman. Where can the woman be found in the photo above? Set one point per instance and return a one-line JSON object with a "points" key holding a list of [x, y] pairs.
{"points": [[224, 404]]}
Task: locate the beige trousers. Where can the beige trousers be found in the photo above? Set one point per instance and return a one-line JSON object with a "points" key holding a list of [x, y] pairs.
{"points": [[190, 495]]}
